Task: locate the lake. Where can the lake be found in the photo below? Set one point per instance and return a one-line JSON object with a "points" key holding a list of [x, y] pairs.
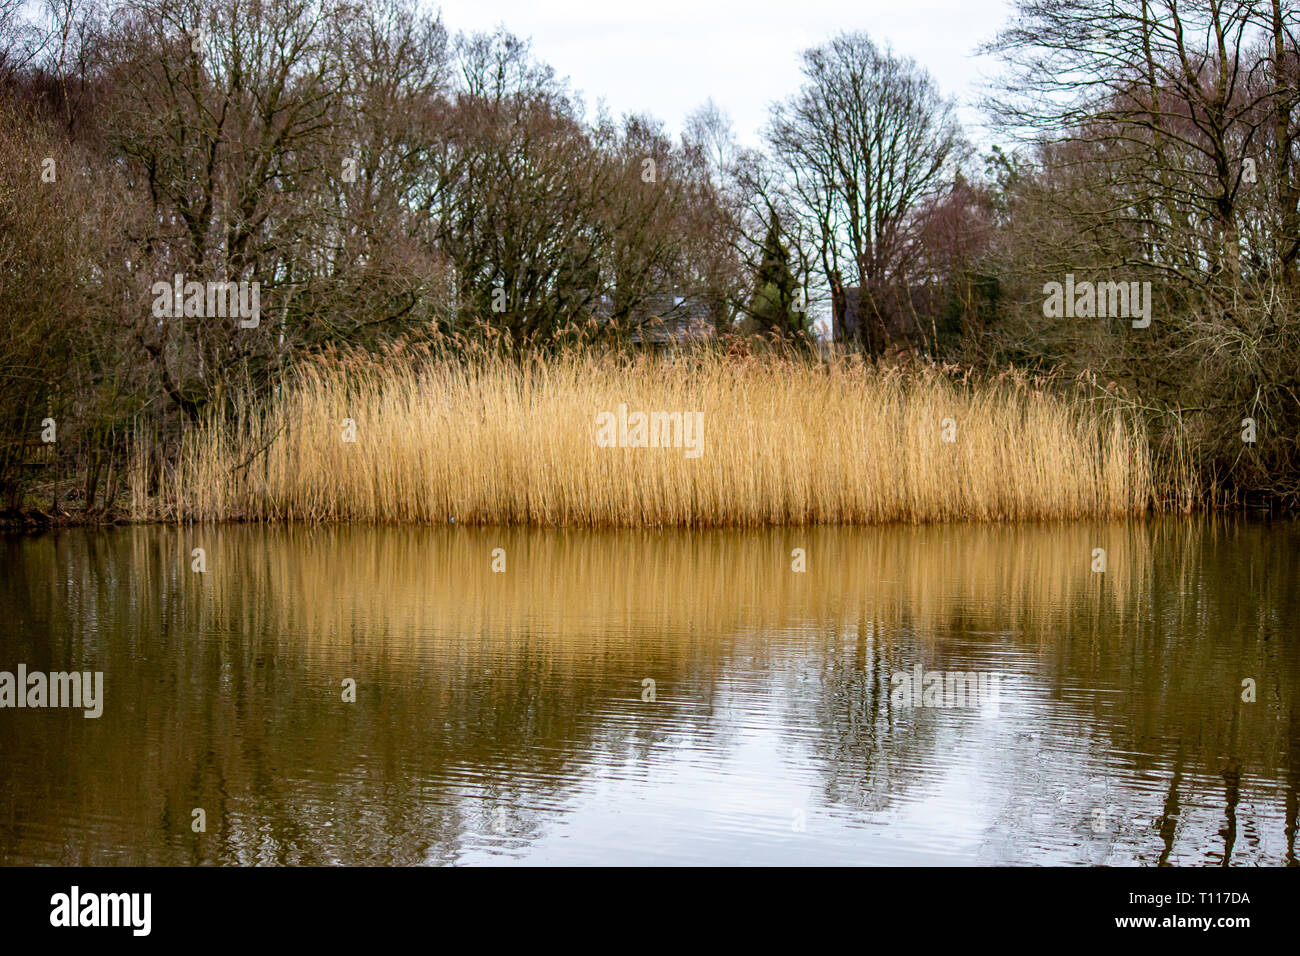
{"points": [[951, 694]]}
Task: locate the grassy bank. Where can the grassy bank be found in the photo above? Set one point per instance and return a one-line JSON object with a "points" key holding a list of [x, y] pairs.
{"points": [[784, 441]]}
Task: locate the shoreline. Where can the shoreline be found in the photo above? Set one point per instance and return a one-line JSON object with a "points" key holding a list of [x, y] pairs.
{"points": [[33, 522]]}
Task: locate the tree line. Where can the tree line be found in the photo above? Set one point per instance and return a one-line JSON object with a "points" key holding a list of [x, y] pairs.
{"points": [[386, 182]]}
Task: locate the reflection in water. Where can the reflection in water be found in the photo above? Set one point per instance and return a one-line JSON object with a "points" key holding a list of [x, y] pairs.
{"points": [[500, 716]]}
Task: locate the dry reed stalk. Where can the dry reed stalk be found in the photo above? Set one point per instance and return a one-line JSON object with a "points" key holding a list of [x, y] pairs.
{"points": [[786, 441]]}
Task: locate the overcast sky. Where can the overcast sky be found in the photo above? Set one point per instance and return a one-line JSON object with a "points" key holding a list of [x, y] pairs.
{"points": [[668, 56]]}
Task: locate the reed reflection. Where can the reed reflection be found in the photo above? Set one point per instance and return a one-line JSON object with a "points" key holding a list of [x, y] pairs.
{"points": [[502, 715]]}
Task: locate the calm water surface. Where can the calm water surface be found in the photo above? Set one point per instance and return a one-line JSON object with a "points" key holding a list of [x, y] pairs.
{"points": [[509, 717]]}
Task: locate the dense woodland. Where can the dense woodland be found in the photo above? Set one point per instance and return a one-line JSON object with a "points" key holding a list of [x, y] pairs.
{"points": [[391, 185]]}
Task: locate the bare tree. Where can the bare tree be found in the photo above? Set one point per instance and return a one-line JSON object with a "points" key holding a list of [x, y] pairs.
{"points": [[1184, 98], [864, 142], [21, 40], [223, 110]]}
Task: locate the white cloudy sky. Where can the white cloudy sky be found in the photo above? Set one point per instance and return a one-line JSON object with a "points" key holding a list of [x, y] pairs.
{"points": [[665, 57]]}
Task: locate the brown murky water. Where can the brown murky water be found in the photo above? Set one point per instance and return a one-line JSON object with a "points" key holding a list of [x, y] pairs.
{"points": [[509, 716]]}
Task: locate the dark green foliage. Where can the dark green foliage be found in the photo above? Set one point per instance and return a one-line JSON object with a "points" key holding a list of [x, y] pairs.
{"points": [[778, 305]]}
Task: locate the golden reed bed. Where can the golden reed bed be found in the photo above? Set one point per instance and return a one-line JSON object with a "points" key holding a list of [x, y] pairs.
{"points": [[755, 441]]}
